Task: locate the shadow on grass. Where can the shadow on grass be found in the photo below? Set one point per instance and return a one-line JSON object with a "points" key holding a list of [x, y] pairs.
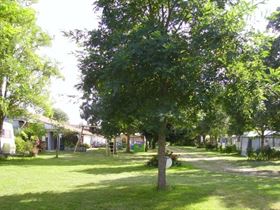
{"points": [[72, 159], [116, 169], [193, 190]]}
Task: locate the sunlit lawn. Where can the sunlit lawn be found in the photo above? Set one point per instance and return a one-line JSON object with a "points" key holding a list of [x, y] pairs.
{"points": [[93, 181], [233, 159]]}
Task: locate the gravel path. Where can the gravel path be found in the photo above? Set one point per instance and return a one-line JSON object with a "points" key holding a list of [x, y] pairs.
{"points": [[220, 164]]}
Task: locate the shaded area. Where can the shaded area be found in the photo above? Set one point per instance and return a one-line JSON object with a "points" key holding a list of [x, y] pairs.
{"points": [[193, 190], [95, 181], [74, 159]]}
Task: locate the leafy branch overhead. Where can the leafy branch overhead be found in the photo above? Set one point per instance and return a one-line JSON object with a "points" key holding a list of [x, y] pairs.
{"points": [[24, 74]]}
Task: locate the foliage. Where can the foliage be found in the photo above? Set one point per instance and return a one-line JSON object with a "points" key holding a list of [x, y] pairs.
{"points": [[20, 145], [85, 145], [252, 96], [210, 146], [24, 74], [69, 138], [28, 140], [228, 149], [59, 115], [154, 160], [24, 147], [252, 90], [149, 63], [274, 23], [33, 131], [267, 153]]}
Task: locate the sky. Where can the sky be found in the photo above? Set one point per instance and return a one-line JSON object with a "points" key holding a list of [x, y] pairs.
{"points": [[55, 16]]}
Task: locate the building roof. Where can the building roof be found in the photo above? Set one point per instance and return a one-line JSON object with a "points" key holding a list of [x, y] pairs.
{"points": [[251, 134], [56, 124]]}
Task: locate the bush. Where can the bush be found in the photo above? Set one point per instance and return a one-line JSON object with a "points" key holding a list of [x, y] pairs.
{"points": [[24, 147], [210, 146], [153, 162], [20, 145], [6, 149], [85, 145], [29, 145], [200, 145], [266, 153], [228, 149]]}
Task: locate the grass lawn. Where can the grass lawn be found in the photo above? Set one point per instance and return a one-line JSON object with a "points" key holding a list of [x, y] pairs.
{"points": [[233, 159], [93, 181]]}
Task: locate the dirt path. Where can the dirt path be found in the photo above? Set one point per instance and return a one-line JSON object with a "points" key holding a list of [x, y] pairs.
{"points": [[221, 163]]}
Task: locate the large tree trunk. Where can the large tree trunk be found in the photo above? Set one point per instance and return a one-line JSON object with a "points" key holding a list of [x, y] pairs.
{"points": [[128, 143], [161, 157]]}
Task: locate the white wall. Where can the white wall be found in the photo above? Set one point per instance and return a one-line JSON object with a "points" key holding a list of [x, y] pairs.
{"points": [[87, 139], [97, 140]]}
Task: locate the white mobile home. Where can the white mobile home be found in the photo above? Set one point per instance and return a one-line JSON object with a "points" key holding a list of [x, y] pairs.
{"points": [[7, 139], [252, 140]]}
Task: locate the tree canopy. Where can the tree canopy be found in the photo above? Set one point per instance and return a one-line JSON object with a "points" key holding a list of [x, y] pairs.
{"points": [[59, 115], [153, 61], [24, 74]]}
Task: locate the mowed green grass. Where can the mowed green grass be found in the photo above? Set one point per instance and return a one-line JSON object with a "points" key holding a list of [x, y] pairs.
{"points": [[94, 181]]}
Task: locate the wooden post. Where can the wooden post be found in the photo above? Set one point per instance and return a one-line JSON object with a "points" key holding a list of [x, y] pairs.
{"points": [[128, 143], [79, 139], [57, 145], [107, 148]]}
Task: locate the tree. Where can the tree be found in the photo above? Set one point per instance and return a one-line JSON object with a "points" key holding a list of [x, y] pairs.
{"points": [[251, 96], [23, 73], [160, 58], [273, 59], [59, 115], [213, 121]]}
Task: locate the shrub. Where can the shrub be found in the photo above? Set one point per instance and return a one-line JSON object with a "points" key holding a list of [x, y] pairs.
{"points": [[266, 153], [85, 145], [228, 149], [20, 145], [29, 145], [210, 146], [6, 149], [153, 162], [200, 145]]}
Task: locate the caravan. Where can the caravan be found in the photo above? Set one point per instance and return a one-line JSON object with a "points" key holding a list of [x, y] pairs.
{"points": [[7, 139]]}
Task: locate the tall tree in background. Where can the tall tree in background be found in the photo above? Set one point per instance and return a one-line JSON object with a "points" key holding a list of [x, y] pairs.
{"points": [[23, 73], [251, 96], [273, 59], [59, 115], [272, 80], [157, 58]]}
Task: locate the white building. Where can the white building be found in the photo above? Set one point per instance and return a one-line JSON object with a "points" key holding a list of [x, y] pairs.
{"points": [[252, 140]]}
